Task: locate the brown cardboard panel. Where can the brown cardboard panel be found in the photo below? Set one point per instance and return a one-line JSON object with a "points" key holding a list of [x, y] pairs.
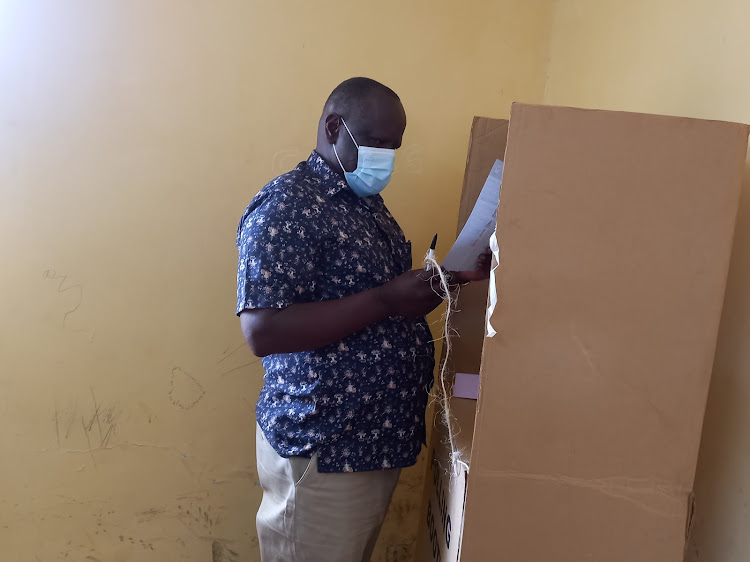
{"points": [[615, 231], [486, 144], [440, 532]]}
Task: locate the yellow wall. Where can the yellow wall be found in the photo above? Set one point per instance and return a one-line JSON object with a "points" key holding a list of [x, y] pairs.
{"points": [[132, 135], [686, 58]]}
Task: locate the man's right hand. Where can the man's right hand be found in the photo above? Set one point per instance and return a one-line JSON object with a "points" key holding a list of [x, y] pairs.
{"points": [[411, 294], [312, 325]]}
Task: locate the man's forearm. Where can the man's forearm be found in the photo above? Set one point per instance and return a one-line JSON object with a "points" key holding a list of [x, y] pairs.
{"points": [[308, 326]]}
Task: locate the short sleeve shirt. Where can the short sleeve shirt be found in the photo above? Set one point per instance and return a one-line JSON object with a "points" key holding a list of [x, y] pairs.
{"points": [[359, 402]]}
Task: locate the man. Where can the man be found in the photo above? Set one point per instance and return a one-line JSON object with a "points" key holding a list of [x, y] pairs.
{"points": [[326, 295]]}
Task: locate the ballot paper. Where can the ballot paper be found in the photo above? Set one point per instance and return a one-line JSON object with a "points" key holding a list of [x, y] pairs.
{"points": [[475, 235]]}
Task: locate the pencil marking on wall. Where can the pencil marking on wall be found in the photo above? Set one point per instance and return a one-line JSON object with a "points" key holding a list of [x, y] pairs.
{"points": [[240, 367], [98, 427], [88, 440], [131, 540], [147, 411], [227, 354], [196, 515], [57, 425], [108, 415], [72, 419], [184, 389], [222, 553], [96, 413], [150, 514], [52, 275]]}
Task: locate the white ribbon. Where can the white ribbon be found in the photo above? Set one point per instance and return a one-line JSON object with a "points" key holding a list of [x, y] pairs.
{"points": [[493, 287]]}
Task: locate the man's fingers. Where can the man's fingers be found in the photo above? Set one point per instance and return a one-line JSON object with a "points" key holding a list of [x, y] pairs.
{"points": [[460, 277], [453, 278]]}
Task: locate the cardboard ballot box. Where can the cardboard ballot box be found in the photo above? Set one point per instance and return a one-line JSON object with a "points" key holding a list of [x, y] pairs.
{"points": [[615, 231]]}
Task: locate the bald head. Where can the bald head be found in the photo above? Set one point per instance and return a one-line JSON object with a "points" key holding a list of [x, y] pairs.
{"points": [[373, 113], [349, 98]]}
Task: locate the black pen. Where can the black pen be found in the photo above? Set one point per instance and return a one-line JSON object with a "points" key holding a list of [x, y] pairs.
{"points": [[431, 252]]}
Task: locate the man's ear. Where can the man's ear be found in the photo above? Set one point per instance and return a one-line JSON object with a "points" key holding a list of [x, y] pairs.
{"points": [[332, 127]]}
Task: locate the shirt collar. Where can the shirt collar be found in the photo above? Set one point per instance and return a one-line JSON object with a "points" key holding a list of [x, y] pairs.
{"points": [[333, 181]]}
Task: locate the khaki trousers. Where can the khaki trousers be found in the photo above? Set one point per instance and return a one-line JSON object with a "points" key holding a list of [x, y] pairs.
{"points": [[309, 516]]}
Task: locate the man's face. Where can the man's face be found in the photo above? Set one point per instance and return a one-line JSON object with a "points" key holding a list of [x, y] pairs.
{"points": [[380, 122]]}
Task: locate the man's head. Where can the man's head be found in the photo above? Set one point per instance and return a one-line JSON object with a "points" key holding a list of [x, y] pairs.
{"points": [[373, 113]]}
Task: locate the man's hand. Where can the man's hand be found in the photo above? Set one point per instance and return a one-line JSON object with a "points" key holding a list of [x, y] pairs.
{"points": [[312, 325], [410, 294], [307, 326], [481, 271], [417, 292]]}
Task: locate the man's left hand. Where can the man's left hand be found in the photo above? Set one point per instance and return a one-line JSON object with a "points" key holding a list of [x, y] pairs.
{"points": [[480, 272]]}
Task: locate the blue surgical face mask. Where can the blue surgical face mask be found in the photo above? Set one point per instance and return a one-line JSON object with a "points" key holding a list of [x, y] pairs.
{"points": [[374, 168]]}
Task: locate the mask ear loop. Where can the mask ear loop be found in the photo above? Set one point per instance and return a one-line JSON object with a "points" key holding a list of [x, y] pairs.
{"points": [[350, 133], [339, 159], [334, 146]]}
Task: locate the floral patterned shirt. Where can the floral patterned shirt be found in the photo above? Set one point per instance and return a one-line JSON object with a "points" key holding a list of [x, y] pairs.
{"points": [[359, 402]]}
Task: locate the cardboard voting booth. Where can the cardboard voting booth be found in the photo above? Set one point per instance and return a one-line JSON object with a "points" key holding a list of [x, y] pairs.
{"points": [[615, 231]]}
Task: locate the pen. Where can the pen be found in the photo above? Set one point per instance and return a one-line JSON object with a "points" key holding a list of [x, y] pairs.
{"points": [[431, 252]]}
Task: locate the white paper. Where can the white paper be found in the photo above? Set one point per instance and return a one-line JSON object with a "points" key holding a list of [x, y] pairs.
{"points": [[475, 235]]}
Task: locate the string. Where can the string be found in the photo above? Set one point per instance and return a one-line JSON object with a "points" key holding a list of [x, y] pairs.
{"points": [[443, 397]]}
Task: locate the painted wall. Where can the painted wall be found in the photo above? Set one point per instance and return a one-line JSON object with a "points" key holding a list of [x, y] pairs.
{"points": [[681, 57], [132, 135]]}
